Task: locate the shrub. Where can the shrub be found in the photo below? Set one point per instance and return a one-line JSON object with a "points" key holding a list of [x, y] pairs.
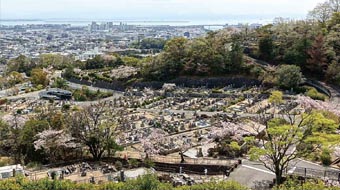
{"points": [[314, 94], [133, 163], [288, 76], [4, 161], [326, 157], [149, 163], [118, 165], [40, 87], [66, 107]]}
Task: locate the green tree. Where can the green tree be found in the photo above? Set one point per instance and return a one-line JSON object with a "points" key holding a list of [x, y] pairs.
{"points": [[39, 77], [266, 48], [54, 60], [295, 184], [235, 55], [288, 76], [21, 64], [174, 55], [276, 97], [27, 136], [15, 78], [297, 54], [283, 140], [96, 63], [59, 83]]}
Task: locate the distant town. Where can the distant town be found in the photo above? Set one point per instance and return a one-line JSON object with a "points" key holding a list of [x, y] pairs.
{"points": [[170, 105], [84, 42]]}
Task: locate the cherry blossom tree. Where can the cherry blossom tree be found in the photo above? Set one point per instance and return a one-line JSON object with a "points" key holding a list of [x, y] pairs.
{"points": [[152, 142], [236, 131], [310, 104], [94, 127], [52, 141]]}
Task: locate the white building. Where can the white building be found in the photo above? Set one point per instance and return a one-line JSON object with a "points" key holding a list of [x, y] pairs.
{"points": [[89, 54], [8, 171]]}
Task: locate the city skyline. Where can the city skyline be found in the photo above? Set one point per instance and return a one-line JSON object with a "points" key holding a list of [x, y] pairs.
{"points": [[155, 9]]}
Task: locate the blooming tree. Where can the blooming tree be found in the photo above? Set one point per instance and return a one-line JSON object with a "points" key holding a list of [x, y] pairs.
{"points": [[152, 143], [236, 131], [309, 104], [94, 127], [155, 141], [51, 141], [285, 140]]}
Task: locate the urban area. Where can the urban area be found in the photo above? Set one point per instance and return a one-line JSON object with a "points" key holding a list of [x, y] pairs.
{"points": [[114, 105]]}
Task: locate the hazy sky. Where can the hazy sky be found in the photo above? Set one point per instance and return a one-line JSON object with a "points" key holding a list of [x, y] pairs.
{"points": [[155, 9]]}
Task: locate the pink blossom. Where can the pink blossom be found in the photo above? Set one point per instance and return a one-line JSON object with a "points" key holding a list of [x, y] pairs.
{"points": [[309, 103], [233, 130], [151, 143], [51, 139]]}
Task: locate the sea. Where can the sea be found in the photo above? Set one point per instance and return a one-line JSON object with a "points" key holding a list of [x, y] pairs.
{"points": [[83, 22]]}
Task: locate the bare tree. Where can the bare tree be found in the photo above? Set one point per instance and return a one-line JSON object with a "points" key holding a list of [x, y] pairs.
{"points": [[322, 12], [94, 128], [335, 5]]}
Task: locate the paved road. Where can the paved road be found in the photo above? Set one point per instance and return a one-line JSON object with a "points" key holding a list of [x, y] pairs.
{"points": [[92, 88], [252, 174], [255, 174], [89, 103], [32, 95], [335, 92]]}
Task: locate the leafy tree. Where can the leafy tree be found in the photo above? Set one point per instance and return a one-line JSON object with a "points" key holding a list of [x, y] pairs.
{"points": [[335, 19], [235, 55], [96, 63], [333, 73], [15, 78], [130, 61], [317, 63], [21, 64], [10, 136], [68, 72], [27, 136], [152, 43], [55, 60], [297, 54], [288, 76], [266, 48], [276, 97], [59, 83], [294, 184], [174, 55], [283, 138], [314, 94], [39, 77]]}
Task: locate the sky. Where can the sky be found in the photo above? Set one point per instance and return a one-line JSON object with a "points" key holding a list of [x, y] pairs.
{"points": [[155, 9]]}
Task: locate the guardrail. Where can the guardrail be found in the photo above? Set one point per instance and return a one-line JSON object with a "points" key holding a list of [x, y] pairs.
{"points": [[315, 173]]}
